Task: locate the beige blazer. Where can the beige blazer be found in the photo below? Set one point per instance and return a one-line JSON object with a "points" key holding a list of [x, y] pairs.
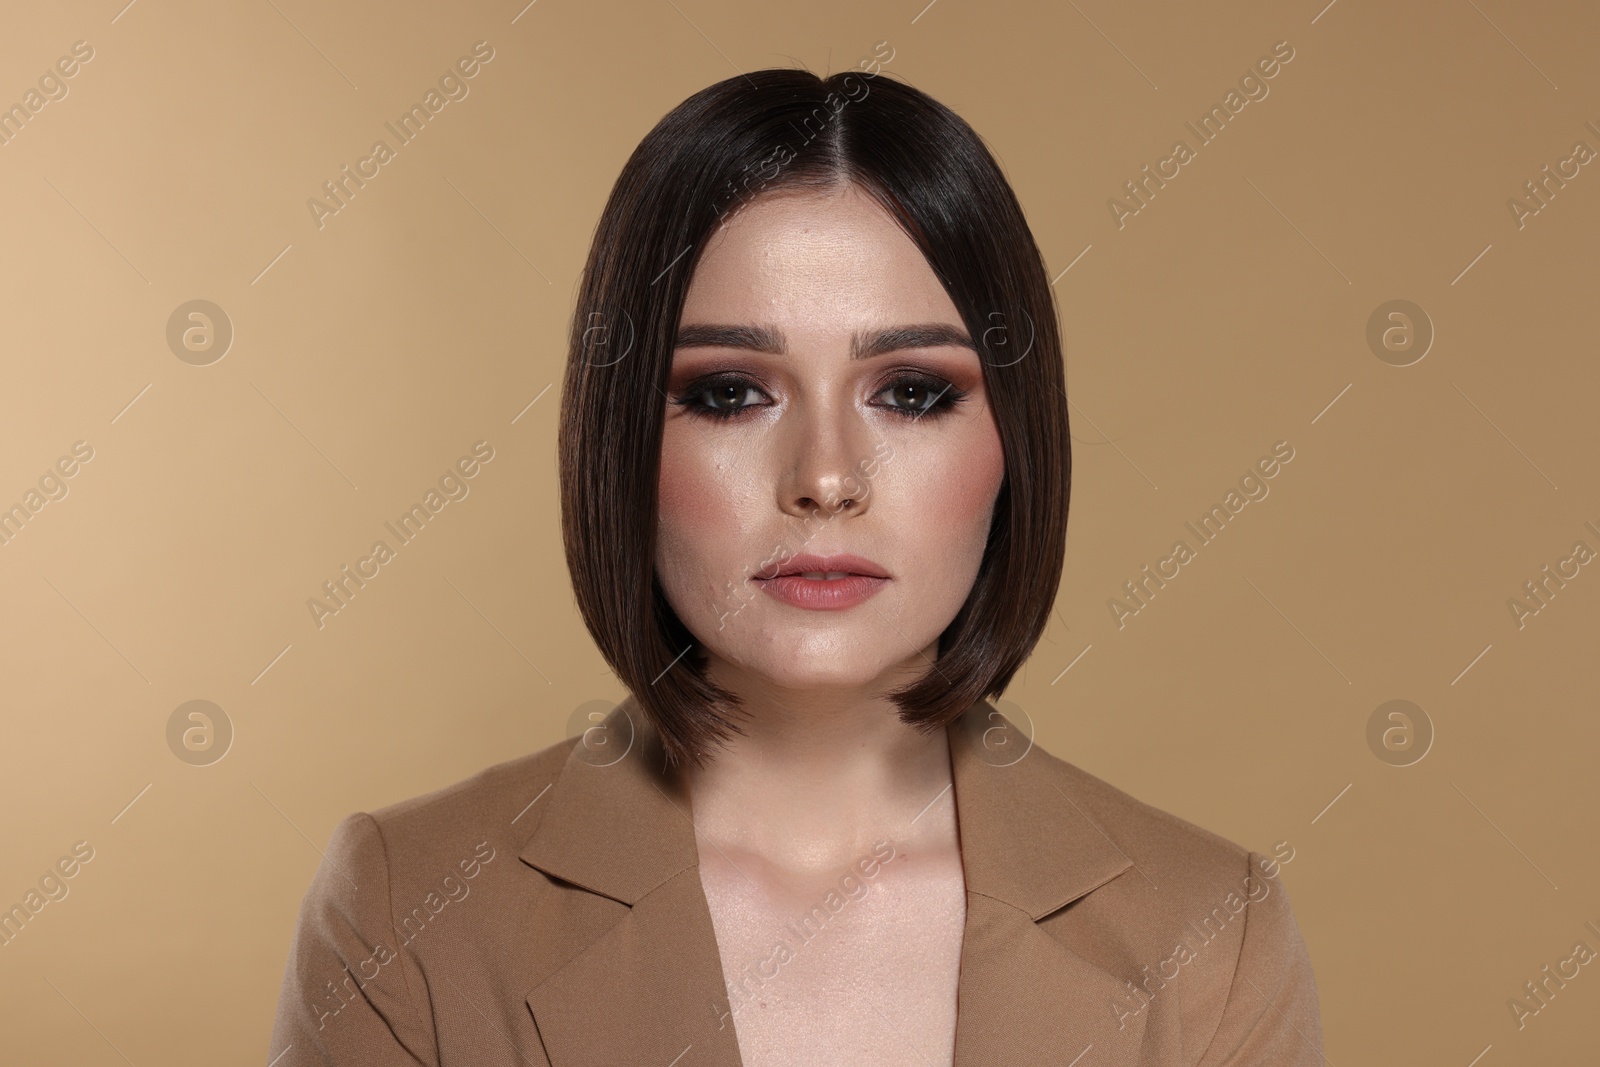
{"points": [[549, 911]]}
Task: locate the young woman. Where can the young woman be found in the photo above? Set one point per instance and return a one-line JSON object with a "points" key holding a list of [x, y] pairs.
{"points": [[815, 471]]}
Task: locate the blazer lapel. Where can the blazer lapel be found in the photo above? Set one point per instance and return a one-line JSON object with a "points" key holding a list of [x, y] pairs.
{"points": [[1028, 850], [645, 985], [643, 980]]}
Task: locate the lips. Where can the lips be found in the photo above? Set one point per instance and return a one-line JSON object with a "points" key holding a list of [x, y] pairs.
{"points": [[824, 583], [834, 567]]}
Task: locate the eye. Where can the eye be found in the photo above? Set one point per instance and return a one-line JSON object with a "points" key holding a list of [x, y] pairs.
{"points": [[922, 396], [721, 397], [912, 395]]}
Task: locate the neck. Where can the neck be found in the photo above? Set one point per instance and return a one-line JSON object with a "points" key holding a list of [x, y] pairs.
{"points": [[819, 775]]}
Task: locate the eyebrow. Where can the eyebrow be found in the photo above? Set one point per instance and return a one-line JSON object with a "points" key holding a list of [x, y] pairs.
{"points": [[863, 344]]}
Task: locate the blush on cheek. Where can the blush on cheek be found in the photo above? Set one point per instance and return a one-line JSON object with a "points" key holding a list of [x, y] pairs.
{"points": [[690, 483], [696, 511], [969, 481], [675, 488]]}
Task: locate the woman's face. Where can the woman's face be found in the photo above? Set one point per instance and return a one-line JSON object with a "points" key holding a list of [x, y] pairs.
{"points": [[819, 360]]}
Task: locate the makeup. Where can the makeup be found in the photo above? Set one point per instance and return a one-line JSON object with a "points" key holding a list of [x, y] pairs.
{"points": [[825, 583]]}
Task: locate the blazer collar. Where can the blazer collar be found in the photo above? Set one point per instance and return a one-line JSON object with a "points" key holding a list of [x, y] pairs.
{"points": [[646, 983]]}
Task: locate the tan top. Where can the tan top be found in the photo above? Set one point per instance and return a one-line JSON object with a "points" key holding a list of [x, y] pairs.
{"points": [[548, 912]]}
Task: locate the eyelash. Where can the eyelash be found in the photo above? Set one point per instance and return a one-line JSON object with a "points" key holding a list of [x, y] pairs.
{"points": [[945, 393]]}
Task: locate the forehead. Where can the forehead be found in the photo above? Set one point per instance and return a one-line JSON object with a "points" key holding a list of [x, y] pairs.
{"points": [[830, 260]]}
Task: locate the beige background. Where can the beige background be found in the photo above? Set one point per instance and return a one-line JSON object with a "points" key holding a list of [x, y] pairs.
{"points": [[431, 312]]}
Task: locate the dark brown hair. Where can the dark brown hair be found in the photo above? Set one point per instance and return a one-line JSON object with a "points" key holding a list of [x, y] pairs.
{"points": [[783, 129]]}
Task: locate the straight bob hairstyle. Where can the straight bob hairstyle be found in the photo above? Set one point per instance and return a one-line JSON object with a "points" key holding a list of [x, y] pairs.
{"points": [[720, 148]]}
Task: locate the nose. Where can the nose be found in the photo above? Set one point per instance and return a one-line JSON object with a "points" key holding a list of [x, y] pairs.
{"points": [[826, 459]]}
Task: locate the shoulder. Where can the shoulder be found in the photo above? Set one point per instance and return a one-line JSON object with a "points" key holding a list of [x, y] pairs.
{"points": [[402, 864], [1198, 927], [1189, 857], [384, 853], [386, 895], [499, 802], [408, 859]]}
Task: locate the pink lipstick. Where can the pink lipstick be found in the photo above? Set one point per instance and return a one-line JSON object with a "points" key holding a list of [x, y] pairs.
{"points": [[824, 583]]}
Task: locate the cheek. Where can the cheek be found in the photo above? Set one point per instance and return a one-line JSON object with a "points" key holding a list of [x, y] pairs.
{"points": [[976, 484], [696, 500], [978, 474], [954, 489]]}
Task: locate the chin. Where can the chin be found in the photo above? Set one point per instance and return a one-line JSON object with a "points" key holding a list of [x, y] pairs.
{"points": [[844, 659], [807, 665], [814, 677]]}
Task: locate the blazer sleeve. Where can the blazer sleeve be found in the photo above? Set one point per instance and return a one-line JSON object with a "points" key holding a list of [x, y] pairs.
{"points": [[350, 997], [1271, 1017]]}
